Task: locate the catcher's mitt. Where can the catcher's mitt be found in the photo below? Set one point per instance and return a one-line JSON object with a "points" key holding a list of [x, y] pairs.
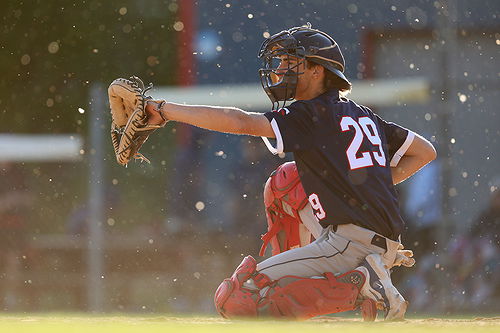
{"points": [[132, 123]]}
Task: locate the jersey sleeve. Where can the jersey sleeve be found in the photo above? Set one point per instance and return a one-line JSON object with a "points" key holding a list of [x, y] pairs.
{"points": [[399, 140], [293, 128]]}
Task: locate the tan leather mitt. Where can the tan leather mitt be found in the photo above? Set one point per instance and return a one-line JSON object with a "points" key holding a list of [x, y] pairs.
{"points": [[132, 124]]}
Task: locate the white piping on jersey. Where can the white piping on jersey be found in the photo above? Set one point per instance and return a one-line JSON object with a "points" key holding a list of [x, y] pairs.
{"points": [[279, 139], [402, 150]]}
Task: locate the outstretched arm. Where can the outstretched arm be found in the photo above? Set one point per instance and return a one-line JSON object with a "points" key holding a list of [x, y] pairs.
{"points": [[220, 119], [416, 157]]}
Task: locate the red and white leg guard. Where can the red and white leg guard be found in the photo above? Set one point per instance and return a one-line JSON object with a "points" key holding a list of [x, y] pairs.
{"points": [[303, 298], [231, 299], [290, 296]]}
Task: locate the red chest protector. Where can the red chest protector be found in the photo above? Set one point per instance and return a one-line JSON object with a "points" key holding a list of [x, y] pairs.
{"points": [[284, 197]]}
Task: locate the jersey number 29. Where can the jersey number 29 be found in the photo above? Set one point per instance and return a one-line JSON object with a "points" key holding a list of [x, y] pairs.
{"points": [[363, 127]]}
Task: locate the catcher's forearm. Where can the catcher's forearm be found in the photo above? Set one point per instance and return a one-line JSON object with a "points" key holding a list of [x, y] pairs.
{"points": [[221, 119]]}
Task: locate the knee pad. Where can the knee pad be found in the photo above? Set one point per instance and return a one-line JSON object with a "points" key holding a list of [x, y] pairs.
{"points": [[232, 299], [303, 298], [232, 302]]}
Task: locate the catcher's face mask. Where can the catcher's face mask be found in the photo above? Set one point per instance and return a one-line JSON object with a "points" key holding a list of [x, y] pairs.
{"points": [[301, 43], [279, 76]]}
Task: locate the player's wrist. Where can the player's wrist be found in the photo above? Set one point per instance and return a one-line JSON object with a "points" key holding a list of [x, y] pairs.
{"points": [[164, 109]]}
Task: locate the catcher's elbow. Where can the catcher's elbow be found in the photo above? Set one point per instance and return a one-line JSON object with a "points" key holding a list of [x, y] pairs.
{"points": [[430, 153], [434, 153], [255, 124]]}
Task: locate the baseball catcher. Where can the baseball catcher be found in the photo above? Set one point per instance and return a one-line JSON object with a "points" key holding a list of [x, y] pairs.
{"points": [[133, 121], [349, 159]]}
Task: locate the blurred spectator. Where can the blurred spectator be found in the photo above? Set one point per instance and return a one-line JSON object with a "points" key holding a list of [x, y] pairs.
{"points": [[485, 232], [487, 226], [15, 201], [475, 261]]}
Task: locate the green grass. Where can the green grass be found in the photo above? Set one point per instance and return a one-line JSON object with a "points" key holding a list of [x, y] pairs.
{"points": [[164, 324]]}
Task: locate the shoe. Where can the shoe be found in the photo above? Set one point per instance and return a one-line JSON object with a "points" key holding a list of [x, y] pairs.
{"points": [[378, 287]]}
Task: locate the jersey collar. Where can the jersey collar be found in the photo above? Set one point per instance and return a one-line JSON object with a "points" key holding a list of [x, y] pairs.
{"points": [[332, 93]]}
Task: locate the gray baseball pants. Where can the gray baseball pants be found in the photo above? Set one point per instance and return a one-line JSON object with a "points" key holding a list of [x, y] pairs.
{"points": [[337, 252]]}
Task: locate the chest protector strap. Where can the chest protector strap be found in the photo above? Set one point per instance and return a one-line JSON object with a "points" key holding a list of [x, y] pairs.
{"points": [[284, 197]]}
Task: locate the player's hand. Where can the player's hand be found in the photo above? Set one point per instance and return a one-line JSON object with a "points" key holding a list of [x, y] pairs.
{"points": [[405, 258], [153, 112]]}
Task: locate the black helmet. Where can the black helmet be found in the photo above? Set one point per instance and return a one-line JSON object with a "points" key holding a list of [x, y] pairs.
{"points": [[303, 43]]}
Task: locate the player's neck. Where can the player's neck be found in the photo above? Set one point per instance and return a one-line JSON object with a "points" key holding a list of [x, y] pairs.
{"points": [[310, 85], [311, 93]]}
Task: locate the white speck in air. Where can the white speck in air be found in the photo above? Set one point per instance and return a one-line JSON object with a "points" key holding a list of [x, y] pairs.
{"points": [[178, 26], [199, 206]]}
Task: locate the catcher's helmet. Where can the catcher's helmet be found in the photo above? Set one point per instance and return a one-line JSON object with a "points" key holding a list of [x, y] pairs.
{"points": [[303, 43]]}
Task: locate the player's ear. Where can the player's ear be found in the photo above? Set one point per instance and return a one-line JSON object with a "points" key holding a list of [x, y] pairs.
{"points": [[318, 71]]}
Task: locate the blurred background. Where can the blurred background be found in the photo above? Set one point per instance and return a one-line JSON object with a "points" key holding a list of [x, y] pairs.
{"points": [[80, 233]]}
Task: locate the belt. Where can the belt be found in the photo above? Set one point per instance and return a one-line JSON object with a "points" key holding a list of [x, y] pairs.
{"points": [[362, 235]]}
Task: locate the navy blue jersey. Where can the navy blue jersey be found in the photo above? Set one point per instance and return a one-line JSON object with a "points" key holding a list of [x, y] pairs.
{"points": [[343, 153]]}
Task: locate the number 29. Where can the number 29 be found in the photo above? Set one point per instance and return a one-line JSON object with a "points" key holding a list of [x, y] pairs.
{"points": [[363, 127]]}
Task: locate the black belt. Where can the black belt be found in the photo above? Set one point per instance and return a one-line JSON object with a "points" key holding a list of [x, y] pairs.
{"points": [[379, 241]]}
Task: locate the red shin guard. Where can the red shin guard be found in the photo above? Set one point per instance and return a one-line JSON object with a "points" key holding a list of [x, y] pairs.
{"points": [[231, 300], [303, 298], [290, 296]]}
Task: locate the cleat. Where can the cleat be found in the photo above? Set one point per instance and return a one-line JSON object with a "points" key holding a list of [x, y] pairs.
{"points": [[379, 288]]}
